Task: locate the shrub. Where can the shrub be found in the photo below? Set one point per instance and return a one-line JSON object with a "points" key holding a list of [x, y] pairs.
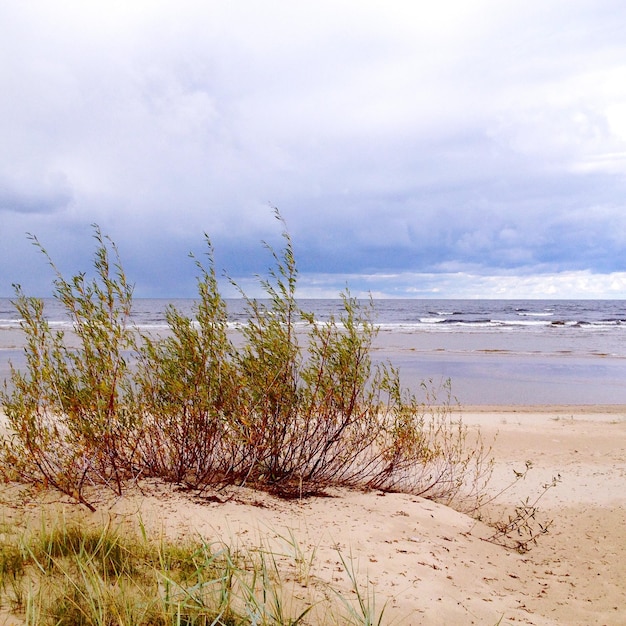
{"points": [[297, 407], [71, 413], [311, 406], [269, 363], [189, 392]]}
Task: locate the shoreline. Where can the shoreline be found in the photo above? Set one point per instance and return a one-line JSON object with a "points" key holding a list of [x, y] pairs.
{"points": [[546, 413], [558, 409]]}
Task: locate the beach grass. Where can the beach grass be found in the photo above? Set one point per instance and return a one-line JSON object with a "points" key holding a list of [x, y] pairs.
{"points": [[66, 572]]}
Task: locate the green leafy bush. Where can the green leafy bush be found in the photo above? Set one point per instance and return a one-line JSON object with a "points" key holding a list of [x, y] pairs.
{"points": [[71, 414], [292, 405], [189, 393]]}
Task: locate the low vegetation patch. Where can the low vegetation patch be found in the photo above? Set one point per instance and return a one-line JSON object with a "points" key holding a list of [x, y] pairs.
{"points": [[71, 574]]}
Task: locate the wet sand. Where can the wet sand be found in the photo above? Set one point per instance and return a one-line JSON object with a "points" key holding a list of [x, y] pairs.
{"points": [[487, 368]]}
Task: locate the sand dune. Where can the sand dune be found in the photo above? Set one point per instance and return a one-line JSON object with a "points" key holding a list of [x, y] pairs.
{"points": [[431, 564]]}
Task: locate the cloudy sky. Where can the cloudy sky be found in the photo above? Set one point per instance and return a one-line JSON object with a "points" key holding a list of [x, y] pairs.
{"points": [[415, 149]]}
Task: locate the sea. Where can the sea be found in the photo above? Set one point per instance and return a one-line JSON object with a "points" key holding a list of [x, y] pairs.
{"points": [[492, 352]]}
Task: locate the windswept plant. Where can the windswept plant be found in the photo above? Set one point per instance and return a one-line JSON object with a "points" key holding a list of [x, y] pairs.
{"points": [[340, 399], [269, 363], [317, 411], [190, 392], [426, 449], [293, 405], [69, 412]]}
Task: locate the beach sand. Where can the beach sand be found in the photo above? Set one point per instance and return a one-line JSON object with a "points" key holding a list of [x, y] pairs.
{"points": [[430, 563]]}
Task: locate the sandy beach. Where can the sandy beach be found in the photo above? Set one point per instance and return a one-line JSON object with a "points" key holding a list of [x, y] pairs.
{"points": [[428, 563]]}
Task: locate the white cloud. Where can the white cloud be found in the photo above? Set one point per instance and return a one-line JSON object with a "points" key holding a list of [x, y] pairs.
{"points": [[461, 285], [406, 136]]}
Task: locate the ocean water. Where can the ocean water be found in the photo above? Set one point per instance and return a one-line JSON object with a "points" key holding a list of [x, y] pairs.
{"points": [[493, 351]]}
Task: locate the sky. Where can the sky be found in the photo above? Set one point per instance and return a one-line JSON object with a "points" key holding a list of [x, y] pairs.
{"points": [[414, 149]]}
